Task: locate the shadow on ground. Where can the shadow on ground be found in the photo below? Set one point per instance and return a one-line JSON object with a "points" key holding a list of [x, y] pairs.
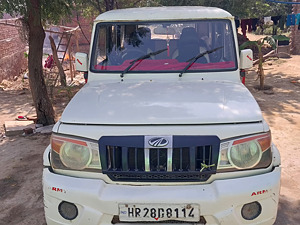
{"points": [[284, 98], [286, 209]]}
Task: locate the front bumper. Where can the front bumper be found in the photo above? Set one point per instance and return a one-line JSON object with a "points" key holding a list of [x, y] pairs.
{"points": [[220, 201]]}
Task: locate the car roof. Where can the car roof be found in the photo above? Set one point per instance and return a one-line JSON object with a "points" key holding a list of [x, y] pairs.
{"points": [[163, 13]]}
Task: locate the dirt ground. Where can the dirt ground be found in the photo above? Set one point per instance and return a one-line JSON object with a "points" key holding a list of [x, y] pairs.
{"points": [[21, 157], [281, 109]]}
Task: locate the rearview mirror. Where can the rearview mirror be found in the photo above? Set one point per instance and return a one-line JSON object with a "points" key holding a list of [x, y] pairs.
{"points": [[164, 31], [246, 59], [81, 62]]}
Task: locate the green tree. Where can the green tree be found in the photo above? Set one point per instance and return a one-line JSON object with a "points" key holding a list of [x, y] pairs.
{"points": [[243, 9], [36, 13], [95, 7], [180, 2]]}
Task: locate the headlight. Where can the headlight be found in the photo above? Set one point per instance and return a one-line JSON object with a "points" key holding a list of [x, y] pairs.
{"points": [[74, 154], [246, 153]]}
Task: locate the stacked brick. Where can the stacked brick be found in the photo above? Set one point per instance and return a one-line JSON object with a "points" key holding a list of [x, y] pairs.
{"points": [[295, 32], [12, 48]]}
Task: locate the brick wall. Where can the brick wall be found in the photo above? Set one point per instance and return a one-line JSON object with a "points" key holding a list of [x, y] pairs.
{"points": [[86, 26], [295, 32], [12, 60]]}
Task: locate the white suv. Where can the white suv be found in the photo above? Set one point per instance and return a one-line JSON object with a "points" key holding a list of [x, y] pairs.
{"points": [[164, 130]]}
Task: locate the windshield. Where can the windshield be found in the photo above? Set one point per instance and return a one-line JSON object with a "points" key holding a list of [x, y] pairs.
{"points": [[164, 47]]}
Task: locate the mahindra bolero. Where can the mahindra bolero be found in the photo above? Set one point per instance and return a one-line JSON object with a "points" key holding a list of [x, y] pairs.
{"points": [[163, 131]]}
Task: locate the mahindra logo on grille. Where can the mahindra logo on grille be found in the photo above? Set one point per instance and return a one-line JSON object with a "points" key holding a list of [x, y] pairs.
{"points": [[158, 142]]}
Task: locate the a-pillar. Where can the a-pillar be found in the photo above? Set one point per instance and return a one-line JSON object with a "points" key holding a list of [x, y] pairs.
{"points": [[295, 33]]}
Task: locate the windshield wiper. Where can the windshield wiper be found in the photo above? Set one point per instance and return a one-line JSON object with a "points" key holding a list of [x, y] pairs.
{"points": [[142, 58], [194, 59]]}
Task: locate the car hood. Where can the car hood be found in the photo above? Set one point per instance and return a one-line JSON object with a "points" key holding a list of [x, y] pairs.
{"points": [[149, 102]]}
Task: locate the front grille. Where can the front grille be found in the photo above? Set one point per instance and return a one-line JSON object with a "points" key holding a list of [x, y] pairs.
{"points": [[116, 156], [191, 158], [158, 159]]}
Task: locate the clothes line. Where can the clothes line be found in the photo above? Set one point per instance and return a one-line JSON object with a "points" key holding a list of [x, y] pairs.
{"points": [[280, 2], [249, 25]]}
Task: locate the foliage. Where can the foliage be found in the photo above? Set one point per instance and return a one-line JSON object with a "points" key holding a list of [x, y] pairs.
{"points": [[95, 7], [179, 2], [51, 11], [242, 9], [271, 40]]}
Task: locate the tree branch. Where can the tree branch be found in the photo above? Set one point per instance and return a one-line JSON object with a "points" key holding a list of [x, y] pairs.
{"points": [[99, 6], [81, 29]]}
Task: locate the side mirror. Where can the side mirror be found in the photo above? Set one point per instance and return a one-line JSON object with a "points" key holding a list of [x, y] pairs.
{"points": [[81, 62], [246, 59]]}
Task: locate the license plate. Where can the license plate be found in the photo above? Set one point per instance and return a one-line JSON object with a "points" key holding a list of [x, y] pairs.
{"points": [[159, 212]]}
